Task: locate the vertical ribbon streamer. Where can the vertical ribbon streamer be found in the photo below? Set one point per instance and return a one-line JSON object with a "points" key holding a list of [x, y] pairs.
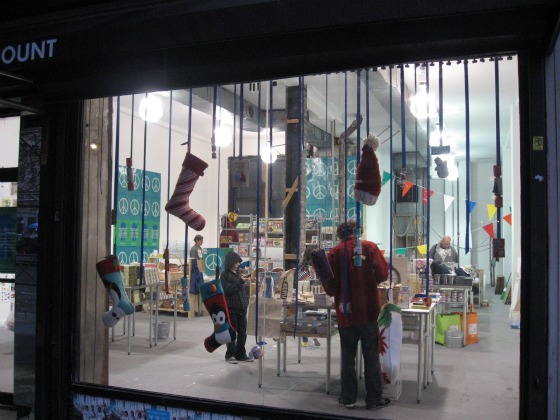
{"points": [[428, 177], [143, 195], [391, 204], [189, 138], [166, 266], [498, 156], [257, 230], [241, 111], [270, 120], [116, 177], [358, 145], [468, 157], [342, 167]]}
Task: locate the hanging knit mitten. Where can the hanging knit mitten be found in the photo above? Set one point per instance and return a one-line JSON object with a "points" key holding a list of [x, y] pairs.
{"points": [[109, 270], [215, 302], [178, 205], [368, 177]]}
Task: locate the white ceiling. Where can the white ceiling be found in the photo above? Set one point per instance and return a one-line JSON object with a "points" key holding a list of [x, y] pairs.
{"points": [[333, 97]]}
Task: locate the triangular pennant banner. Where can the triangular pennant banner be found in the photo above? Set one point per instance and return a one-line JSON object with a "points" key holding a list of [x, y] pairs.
{"points": [[422, 249], [407, 186], [507, 218], [426, 195], [386, 177], [447, 200], [470, 205], [489, 228], [491, 211], [400, 251]]}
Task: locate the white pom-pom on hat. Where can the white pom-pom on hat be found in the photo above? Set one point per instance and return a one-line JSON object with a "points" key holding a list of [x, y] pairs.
{"points": [[372, 141]]}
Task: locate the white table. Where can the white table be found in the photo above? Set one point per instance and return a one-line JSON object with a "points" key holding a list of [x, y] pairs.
{"points": [[467, 297], [286, 331], [426, 341]]}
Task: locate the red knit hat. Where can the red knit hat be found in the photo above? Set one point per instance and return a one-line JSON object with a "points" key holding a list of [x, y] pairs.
{"points": [[368, 176]]}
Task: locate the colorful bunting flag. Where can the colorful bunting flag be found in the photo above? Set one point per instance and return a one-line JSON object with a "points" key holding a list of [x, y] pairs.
{"points": [[426, 195], [447, 200], [470, 205], [491, 211], [422, 249], [407, 186], [400, 251], [489, 228], [386, 177], [507, 218]]}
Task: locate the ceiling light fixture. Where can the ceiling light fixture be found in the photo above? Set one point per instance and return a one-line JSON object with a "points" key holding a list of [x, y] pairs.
{"points": [[223, 135], [268, 154], [422, 103], [150, 108]]}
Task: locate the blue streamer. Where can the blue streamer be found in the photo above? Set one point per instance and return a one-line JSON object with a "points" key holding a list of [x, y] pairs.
{"points": [[428, 181], [143, 199], [498, 156], [116, 177], [468, 153]]}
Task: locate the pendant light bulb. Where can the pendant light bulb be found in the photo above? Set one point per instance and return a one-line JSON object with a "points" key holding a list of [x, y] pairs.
{"points": [[269, 154], [151, 108], [223, 136]]}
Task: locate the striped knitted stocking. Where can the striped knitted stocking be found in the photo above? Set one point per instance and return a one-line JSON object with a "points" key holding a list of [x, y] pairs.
{"points": [[178, 205]]}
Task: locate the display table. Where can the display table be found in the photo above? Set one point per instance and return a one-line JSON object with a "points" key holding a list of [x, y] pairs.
{"points": [[129, 328], [425, 326], [467, 297], [286, 330]]}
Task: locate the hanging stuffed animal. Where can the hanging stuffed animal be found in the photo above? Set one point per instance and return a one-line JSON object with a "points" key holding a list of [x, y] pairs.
{"points": [[390, 339], [368, 177], [215, 302]]}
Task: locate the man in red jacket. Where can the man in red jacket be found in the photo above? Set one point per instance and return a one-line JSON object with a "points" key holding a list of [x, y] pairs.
{"points": [[358, 267]]}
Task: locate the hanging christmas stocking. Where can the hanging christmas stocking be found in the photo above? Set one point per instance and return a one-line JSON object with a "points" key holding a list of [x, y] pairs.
{"points": [[109, 270], [215, 302], [390, 339], [178, 205], [368, 177]]}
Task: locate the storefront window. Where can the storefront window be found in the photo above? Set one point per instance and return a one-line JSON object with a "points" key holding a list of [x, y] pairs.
{"points": [[10, 237], [218, 162]]}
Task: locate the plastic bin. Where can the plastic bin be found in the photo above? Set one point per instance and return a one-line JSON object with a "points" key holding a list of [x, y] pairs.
{"points": [[453, 339], [162, 330]]}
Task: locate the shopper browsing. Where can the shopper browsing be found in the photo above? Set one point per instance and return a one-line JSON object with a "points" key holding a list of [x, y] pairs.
{"points": [[443, 252], [196, 250], [306, 271], [237, 299], [357, 307]]}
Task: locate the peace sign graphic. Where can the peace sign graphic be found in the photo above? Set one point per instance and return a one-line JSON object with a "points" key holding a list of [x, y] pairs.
{"points": [[133, 257], [123, 206], [147, 183], [137, 181], [319, 192], [352, 167], [155, 209], [147, 208], [123, 258], [320, 214], [123, 180], [134, 207], [319, 169], [212, 261], [156, 185]]}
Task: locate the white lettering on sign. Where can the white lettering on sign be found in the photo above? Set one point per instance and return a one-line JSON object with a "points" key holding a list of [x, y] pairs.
{"points": [[37, 50]]}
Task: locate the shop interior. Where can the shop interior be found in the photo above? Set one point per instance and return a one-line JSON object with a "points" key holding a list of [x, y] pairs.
{"points": [[468, 119]]}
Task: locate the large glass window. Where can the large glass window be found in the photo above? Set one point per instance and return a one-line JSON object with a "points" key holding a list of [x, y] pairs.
{"points": [[11, 236], [222, 159]]}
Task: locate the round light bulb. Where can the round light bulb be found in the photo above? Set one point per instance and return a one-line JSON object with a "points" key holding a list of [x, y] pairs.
{"points": [[268, 154], [151, 108]]}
